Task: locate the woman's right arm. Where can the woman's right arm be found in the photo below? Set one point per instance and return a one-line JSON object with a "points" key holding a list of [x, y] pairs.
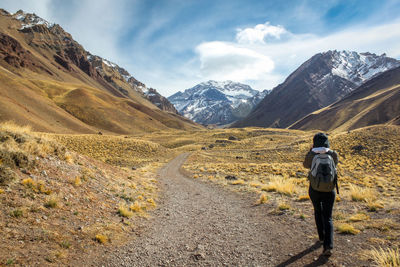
{"points": [[308, 160]]}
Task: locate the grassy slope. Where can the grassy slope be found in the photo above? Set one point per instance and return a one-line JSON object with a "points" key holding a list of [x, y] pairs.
{"points": [[57, 205], [71, 101]]}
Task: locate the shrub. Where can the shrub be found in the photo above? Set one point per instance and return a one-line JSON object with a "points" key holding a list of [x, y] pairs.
{"points": [[65, 244], [51, 203], [17, 213]]}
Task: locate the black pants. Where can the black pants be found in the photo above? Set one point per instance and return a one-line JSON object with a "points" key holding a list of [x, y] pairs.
{"points": [[323, 206]]}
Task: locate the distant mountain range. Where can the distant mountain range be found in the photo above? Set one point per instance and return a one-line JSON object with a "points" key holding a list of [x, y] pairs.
{"points": [[217, 103], [377, 101], [320, 81], [48, 80]]}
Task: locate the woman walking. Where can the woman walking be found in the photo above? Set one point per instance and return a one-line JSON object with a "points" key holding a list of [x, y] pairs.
{"points": [[322, 163]]}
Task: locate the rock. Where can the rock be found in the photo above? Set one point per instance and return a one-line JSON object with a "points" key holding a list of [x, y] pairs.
{"points": [[239, 157], [100, 133], [358, 148], [232, 138], [230, 177], [198, 256], [44, 173], [211, 146], [203, 148], [133, 168], [223, 141]]}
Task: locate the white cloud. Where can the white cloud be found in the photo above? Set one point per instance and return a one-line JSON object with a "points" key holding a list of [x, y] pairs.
{"points": [[259, 33], [225, 61], [264, 65]]}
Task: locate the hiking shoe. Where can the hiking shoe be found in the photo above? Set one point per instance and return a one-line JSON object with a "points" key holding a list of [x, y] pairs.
{"points": [[327, 252]]}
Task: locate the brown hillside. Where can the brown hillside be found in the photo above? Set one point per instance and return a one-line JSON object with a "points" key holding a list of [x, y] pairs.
{"points": [[375, 102], [50, 82]]}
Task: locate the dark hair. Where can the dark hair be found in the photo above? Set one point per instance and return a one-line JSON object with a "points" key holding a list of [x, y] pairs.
{"points": [[320, 140]]}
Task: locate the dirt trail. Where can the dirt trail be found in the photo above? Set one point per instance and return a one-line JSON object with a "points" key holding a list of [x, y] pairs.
{"points": [[199, 224]]}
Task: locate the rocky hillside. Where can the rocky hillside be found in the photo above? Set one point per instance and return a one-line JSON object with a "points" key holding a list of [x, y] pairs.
{"points": [[215, 102], [323, 79], [375, 102], [58, 86]]}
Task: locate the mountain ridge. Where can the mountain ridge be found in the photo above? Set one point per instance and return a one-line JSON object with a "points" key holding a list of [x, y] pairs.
{"points": [[51, 64], [375, 102], [322, 80], [216, 102]]}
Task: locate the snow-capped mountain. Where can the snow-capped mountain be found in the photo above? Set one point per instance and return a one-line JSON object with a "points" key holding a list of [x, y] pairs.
{"points": [[215, 102], [320, 81]]}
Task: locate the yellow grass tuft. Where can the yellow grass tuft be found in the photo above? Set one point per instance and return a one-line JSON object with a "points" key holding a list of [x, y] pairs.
{"points": [[68, 158], [124, 212], [346, 228], [11, 126], [263, 199], [77, 181], [359, 217], [151, 202], [386, 257], [102, 239], [281, 185], [51, 203], [28, 182], [374, 205], [358, 193], [135, 207], [237, 182], [283, 206], [1, 191]]}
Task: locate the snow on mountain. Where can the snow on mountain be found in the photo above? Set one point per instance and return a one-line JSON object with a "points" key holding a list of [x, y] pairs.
{"points": [[216, 102], [30, 20], [320, 81], [359, 67]]}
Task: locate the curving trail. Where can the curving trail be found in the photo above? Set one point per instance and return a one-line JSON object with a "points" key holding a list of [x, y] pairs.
{"points": [[200, 224]]}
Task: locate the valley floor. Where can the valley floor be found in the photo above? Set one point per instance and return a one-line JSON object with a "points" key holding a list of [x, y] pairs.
{"points": [[203, 224]]}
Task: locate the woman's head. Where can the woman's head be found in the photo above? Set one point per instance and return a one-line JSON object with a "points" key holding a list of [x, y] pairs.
{"points": [[320, 140]]}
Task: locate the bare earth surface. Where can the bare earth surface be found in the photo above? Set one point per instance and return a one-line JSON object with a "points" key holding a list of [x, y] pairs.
{"points": [[200, 224]]}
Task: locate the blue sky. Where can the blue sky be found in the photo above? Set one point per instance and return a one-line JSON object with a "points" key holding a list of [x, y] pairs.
{"points": [[172, 45]]}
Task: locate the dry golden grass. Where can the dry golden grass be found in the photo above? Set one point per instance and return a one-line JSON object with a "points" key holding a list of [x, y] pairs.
{"points": [[280, 185], [124, 212], [101, 238], [40, 178], [388, 257], [345, 228], [358, 193], [263, 199], [359, 217]]}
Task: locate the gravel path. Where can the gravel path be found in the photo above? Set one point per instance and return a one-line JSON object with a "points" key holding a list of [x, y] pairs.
{"points": [[200, 224]]}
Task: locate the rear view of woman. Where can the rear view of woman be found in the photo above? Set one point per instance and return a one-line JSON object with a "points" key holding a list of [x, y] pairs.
{"points": [[322, 163]]}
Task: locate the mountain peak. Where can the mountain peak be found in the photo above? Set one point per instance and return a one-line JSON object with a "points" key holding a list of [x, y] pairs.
{"points": [[216, 102], [30, 19], [323, 79]]}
